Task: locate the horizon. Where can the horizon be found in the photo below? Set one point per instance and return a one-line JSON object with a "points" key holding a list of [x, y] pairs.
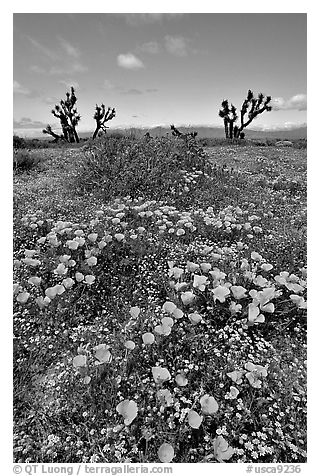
{"points": [[158, 69], [282, 129]]}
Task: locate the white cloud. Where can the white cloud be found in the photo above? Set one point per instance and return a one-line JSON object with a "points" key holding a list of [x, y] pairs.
{"points": [[294, 125], [297, 102], [46, 51], [19, 89], [27, 123], [62, 64], [129, 61], [27, 133], [289, 126], [68, 69], [68, 48], [176, 45]]}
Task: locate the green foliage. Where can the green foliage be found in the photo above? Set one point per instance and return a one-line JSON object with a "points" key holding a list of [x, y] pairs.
{"points": [[25, 143], [262, 142], [24, 161], [148, 168], [218, 142], [116, 135], [296, 143], [18, 142]]}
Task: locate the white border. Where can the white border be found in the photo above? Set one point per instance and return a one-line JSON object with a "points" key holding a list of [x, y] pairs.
{"points": [[313, 186]]}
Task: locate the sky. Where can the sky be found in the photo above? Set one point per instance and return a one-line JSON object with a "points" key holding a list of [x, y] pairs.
{"points": [[158, 69]]}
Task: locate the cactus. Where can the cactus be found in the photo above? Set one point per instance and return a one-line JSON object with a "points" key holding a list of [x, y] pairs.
{"points": [[68, 116], [250, 109], [102, 116]]}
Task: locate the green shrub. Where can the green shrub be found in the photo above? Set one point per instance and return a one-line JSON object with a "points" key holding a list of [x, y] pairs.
{"points": [[258, 142], [18, 142], [37, 144], [116, 135], [24, 160], [148, 168], [300, 144], [221, 141], [296, 143]]}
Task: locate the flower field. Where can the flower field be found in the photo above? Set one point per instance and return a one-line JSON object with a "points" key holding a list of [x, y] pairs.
{"points": [[160, 304]]}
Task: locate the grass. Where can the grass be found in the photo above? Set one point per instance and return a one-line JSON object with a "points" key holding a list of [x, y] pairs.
{"points": [[135, 240], [24, 161]]}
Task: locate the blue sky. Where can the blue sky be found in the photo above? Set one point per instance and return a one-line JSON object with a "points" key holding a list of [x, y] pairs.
{"points": [[158, 68]]}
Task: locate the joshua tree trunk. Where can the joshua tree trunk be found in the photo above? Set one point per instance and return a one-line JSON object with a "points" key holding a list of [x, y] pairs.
{"points": [[225, 120], [231, 130], [76, 136], [96, 132]]}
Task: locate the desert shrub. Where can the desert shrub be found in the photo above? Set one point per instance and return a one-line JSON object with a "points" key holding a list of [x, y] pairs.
{"points": [[116, 135], [218, 142], [151, 169], [51, 144], [37, 144], [24, 160], [296, 143], [292, 186], [300, 144], [21, 143], [258, 142], [18, 142]]}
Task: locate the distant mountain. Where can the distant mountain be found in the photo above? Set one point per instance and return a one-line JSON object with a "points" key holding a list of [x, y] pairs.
{"points": [[211, 132], [203, 132], [298, 133]]}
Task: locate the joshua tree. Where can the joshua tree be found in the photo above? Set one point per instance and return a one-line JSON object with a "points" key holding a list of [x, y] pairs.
{"points": [[148, 136], [250, 109], [69, 118], [229, 115], [177, 133], [102, 116], [48, 130]]}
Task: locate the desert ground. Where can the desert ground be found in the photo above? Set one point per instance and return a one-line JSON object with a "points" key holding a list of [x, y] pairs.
{"points": [[160, 303]]}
